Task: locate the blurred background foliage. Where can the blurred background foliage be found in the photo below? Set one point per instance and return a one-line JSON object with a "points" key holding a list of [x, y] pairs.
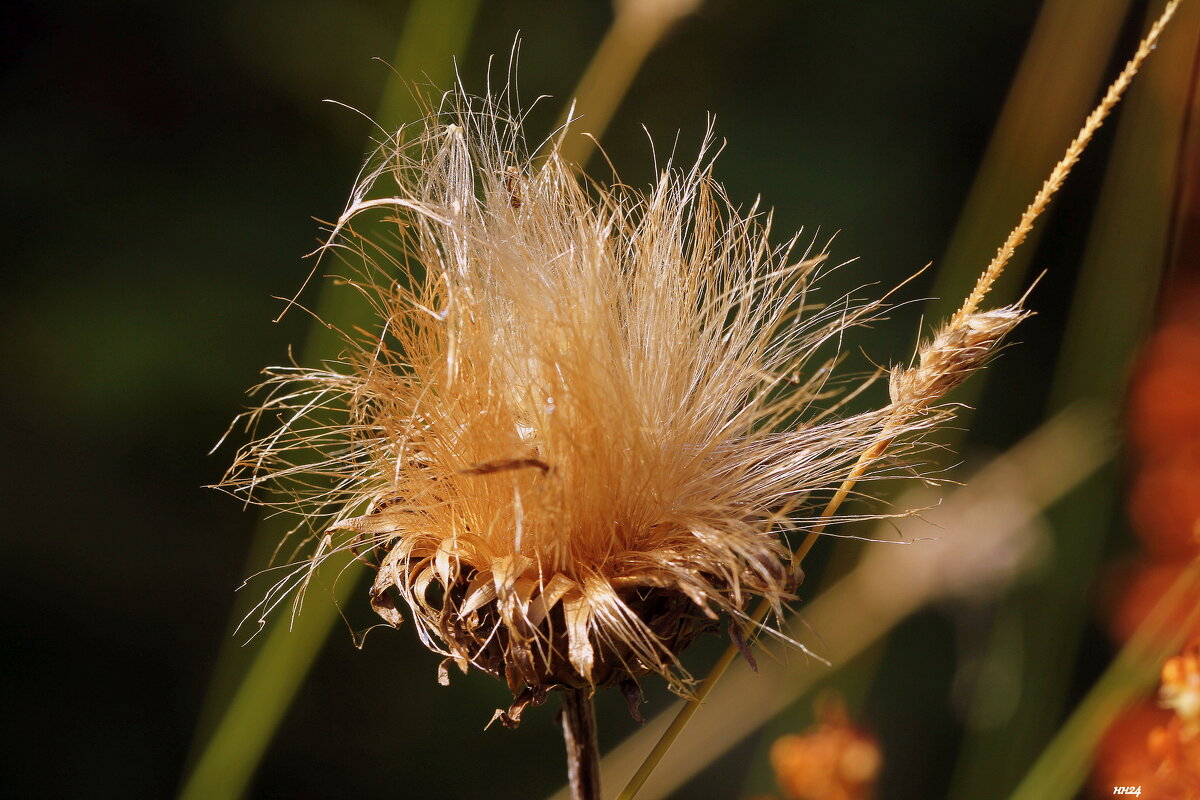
{"points": [[164, 163]]}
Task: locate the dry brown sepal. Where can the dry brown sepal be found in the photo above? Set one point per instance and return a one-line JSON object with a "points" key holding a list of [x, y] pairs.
{"points": [[585, 419]]}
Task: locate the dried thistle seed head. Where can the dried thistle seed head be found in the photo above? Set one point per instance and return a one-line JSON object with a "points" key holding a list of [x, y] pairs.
{"points": [[958, 349], [584, 418]]}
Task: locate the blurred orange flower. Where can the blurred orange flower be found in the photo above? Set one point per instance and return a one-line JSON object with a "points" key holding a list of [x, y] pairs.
{"points": [[1157, 748], [1163, 418], [832, 761], [1141, 585]]}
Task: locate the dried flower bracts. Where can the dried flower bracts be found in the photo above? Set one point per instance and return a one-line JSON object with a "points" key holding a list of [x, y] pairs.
{"points": [[586, 416]]}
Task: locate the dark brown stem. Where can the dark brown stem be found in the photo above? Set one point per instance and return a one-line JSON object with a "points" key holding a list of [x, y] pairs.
{"points": [[1183, 232], [583, 755]]}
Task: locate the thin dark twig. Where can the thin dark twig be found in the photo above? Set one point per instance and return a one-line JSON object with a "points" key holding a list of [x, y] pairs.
{"points": [[579, 733]]}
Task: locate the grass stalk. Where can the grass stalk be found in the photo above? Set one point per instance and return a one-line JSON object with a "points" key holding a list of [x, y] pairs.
{"points": [[1059, 74], [637, 28], [1039, 112], [1063, 168]]}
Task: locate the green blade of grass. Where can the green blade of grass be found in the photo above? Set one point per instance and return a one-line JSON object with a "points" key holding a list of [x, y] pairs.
{"points": [[637, 28], [250, 692], [263, 696]]}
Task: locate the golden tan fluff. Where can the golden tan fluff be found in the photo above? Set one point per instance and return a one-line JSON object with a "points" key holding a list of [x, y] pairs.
{"points": [[583, 419]]}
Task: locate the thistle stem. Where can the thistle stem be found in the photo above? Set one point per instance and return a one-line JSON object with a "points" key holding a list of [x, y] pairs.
{"points": [[583, 754]]}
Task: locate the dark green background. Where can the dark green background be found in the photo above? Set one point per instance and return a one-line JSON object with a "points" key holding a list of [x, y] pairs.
{"points": [[163, 163]]}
